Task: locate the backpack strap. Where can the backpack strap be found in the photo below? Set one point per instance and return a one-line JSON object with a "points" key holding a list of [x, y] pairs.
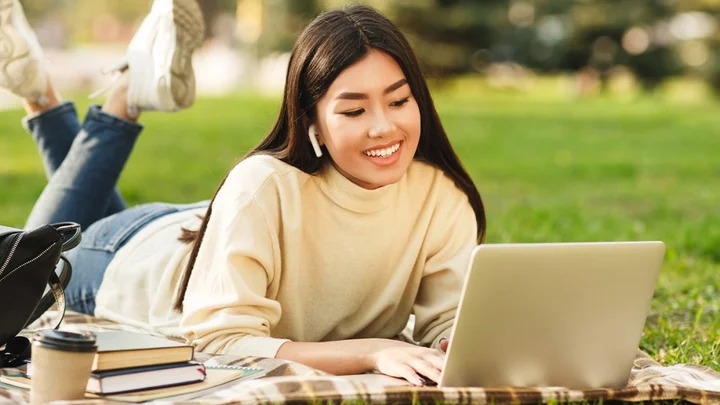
{"points": [[71, 233], [16, 353], [57, 291], [56, 295]]}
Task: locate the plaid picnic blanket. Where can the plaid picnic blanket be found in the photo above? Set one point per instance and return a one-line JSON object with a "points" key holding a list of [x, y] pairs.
{"points": [[292, 383]]}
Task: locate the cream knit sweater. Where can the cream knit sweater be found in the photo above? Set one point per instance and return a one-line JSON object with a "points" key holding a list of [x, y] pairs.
{"points": [[292, 256]]}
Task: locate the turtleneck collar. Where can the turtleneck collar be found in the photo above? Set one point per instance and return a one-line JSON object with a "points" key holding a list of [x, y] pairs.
{"points": [[349, 195]]}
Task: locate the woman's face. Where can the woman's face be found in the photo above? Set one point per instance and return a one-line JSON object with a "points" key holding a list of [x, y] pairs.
{"points": [[369, 121]]}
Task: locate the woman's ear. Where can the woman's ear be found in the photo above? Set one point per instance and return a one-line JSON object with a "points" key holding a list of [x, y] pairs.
{"points": [[317, 133], [307, 123], [314, 140]]}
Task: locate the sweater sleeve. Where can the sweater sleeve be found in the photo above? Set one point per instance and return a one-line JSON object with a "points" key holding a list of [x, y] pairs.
{"points": [[226, 309], [453, 233]]}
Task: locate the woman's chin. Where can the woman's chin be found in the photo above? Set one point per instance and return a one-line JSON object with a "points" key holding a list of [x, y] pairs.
{"points": [[384, 178]]}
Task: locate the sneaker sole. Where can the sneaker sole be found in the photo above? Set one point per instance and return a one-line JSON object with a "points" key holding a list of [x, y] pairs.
{"points": [[190, 34], [18, 56]]}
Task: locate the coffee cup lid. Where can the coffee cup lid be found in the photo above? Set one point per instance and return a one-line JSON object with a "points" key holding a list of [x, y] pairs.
{"points": [[65, 341]]}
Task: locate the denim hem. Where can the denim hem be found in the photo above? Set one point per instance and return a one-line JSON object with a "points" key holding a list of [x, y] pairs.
{"points": [[82, 304], [69, 301], [29, 122], [96, 114]]}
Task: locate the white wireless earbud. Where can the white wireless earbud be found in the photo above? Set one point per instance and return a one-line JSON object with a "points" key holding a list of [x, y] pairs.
{"points": [[314, 141]]}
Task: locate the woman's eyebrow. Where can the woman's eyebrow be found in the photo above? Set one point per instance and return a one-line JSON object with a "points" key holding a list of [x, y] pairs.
{"points": [[363, 96]]}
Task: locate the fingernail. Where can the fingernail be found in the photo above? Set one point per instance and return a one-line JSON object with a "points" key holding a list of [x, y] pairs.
{"points": [[422, 382]]}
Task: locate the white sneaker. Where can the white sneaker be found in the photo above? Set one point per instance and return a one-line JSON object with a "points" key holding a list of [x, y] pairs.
{"points": [[159, 57], [22, 69]]}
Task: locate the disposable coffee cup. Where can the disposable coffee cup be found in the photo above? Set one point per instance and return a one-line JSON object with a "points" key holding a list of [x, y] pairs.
{"points": [[61, 363]]}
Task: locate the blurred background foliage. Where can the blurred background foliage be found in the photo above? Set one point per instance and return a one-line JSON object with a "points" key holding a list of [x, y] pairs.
{"points": [[648, 40]]}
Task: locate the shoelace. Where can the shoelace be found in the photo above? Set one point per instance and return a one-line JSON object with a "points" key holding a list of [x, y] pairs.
{"points": [[117, 71]]}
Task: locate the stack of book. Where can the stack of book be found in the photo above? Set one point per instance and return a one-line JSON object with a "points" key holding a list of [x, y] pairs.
{"points": [[127, 362]]}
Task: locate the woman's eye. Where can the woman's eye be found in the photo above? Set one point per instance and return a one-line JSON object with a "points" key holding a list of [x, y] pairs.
{"points": [[400, 103], [353, 113]]}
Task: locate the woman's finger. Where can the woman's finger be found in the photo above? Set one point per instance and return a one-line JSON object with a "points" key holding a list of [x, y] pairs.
{"points": [[408, 373], [436, 358], [426, 368]]}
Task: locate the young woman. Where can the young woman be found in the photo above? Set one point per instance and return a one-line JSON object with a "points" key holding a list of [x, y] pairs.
{"points": [[352, 214]]}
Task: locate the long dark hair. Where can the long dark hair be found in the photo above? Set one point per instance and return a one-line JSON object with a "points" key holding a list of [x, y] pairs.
{"points": [[331, 43]]}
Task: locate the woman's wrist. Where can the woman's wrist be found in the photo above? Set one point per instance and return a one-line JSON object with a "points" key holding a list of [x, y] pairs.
{"points": [[368, 349], [342, 357], [355, 356]]}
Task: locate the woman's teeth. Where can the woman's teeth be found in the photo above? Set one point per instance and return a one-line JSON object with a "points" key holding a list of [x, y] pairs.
{"points": [[385, 152]]}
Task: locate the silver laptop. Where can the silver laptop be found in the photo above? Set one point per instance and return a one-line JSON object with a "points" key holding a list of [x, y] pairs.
{"points": [[555, 314]]}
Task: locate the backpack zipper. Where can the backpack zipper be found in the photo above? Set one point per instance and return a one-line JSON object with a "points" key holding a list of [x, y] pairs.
{"points": [[27, 262], [10, 255]]}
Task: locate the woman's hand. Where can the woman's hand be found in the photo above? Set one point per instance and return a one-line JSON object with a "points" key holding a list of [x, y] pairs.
{"points": [[444, 343], [404, 360], [357, 356]]}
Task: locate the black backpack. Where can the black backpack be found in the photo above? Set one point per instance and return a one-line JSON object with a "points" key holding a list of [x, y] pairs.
{"points": [[27, 265]]}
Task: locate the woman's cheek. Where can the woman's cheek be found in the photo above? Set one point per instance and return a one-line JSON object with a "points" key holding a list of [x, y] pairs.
{"points": [[410, 121]]}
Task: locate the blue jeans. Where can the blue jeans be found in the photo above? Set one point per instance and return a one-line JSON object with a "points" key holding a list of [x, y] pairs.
{"points": [[83, 165]]}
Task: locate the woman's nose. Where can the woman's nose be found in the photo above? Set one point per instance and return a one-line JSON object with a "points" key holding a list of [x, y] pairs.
{"points": [[382, 127]]}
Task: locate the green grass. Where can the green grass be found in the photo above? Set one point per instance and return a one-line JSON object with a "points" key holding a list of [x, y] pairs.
{"points": [[548, 170]]}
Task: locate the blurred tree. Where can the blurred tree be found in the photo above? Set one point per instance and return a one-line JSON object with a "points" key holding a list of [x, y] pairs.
{"points": [[457, 36], [654, 39], [38, 8], [211, 9], [284, 20], [447, 33], [608, 23]]}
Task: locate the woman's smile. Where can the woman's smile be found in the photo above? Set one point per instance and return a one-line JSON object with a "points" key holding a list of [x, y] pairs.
{"points": [[384, 155]]}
